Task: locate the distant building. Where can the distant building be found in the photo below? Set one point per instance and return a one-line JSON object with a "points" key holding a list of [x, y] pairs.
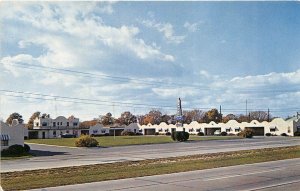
{"points": [[45, 127], [12, 134]]}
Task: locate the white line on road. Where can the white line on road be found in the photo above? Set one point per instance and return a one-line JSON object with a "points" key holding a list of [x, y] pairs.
{"points": [[237, 175], [274, 185]]}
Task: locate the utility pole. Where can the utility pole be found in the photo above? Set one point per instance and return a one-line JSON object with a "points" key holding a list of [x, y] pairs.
{"points": [[112, 121], [221, 114], [268, 115], [246, 108]]}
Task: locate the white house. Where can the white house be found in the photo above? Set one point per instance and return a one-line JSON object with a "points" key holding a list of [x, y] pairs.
{"points": [[46, 127], [276, 127], [12, 134]]}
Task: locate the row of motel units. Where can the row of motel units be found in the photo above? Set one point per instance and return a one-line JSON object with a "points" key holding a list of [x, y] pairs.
{"points": [[12, 134], [276, 127], [46, 127]]}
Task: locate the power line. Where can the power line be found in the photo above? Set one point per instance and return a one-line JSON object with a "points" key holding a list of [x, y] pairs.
{"points": [[111, 103], [148, 82]]}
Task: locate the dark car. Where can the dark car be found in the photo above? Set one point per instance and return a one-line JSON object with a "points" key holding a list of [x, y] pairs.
{"points": [[67, 135]]}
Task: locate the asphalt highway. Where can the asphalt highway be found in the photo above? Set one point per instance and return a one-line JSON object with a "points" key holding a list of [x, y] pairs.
{"points": [[267, 176], [54, 156]]}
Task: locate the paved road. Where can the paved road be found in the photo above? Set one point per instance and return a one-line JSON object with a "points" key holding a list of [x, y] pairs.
{"points": [[53, 156], [267, 176]]}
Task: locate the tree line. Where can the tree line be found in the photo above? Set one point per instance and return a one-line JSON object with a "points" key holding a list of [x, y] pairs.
{"points": [[156, 117]]}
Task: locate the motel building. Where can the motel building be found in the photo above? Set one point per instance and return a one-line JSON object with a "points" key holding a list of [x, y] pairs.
{"points": [[46, 127], [12, 134], [277, 126]]}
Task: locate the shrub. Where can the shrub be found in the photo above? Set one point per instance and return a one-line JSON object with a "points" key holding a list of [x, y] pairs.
{"points": [[14, 150], [127, 133], [247, 133], [26, 148], [156, 133], [297, 133], [86, 141], [168, 133], [284, 134], [268, 134], [223, 133], [200, 134], [231, 134], [139, 133], [180, 136]]}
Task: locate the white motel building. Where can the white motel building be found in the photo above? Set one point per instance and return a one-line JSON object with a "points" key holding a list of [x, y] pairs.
{"points": [[12, 134], [277, 126], [46, 127]]}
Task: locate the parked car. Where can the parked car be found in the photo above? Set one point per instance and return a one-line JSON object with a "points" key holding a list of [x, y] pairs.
{"points": [[67, 135], [217, 132]]}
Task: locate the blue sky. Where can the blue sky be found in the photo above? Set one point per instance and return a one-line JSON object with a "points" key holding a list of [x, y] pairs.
{"points": [[208, 53]]}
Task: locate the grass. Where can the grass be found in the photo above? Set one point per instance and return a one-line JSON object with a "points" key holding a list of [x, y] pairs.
{"points": [[109, 141], [101, 172]]}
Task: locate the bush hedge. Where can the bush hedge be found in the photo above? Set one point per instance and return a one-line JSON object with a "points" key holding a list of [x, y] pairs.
{"points": [[127, 133], [26, 148], [168, 134], [247, 133], [15, 150], [180, 136], [268, 134], [284, 134], [86, 141], [223, 133], [200, 134], [156, 133]]}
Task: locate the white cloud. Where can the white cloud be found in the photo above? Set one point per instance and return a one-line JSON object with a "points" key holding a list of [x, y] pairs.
{"points": [[192, 27], [80, 21], [166, 29]]}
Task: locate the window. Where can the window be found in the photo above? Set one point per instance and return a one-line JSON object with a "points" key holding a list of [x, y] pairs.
{"points": [[37, 124], [237, 129], [191, 130], [67, 124], [67, 131], [95, 131], [166, 130], [198, 130], [54, 133], [140, 130], [227, 130], [75, 124], [160, 130], [4, 142], [103, 131], [289, 129], [134, 130], [60, 123], [272, 129], [44, 124], [54, 124]]}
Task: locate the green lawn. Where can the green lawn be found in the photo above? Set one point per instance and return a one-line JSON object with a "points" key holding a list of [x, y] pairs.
{"points": [[111, 171], [110, 141]]}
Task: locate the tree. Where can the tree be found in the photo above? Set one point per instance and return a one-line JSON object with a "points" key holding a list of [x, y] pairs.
{"points": [[153, 117], [107, 119], [212, 115], [32, 118], [87, 124], [14, 116], [228, 118], [166, 118], [194, 115], [127, 118]]}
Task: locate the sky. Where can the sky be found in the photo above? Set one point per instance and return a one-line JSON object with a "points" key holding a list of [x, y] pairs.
{"points": [[90, 58]]}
